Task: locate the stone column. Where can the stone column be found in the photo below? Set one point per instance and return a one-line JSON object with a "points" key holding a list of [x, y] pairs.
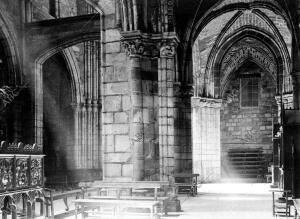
{"points": [[166, 79], [206, 138], [135, 49], [137, 123], [77, 134]]}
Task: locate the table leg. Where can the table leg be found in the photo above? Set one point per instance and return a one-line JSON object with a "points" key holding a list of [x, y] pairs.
{"points": [[286, 204], [76, 210], [273, 203], [151, 212], [155, 194]]}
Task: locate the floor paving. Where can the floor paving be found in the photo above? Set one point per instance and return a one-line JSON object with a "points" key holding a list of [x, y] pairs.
{"points": [[225, 201], [228, 201]]}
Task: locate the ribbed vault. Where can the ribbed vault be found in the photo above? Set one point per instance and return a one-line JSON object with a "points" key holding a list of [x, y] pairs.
{"points": [[257, 35]]}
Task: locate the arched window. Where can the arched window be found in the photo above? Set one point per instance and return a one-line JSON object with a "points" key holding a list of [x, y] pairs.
{"points": [[249, 91]]}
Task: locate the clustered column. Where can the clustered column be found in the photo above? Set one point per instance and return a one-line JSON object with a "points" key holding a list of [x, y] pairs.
{"points": [[166, 79], [88, 114]]}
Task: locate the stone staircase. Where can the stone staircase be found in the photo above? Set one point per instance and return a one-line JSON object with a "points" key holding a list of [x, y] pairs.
{"points": [[248, 165]]}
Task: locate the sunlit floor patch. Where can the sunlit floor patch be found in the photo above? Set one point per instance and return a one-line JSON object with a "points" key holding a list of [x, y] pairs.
{"points": [[228, 201]]}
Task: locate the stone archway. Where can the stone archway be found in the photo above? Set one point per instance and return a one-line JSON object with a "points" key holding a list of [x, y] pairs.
{"points": [[214, 68]]}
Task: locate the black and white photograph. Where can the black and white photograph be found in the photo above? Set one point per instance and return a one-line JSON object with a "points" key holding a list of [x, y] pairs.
{"points": [[149, 109]]}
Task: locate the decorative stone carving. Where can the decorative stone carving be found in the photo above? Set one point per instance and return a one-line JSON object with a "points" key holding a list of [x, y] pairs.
{"points": [[288, 101], [36, 172], [19, 148], [155, 45], [6, 174], [206, 102], [21, 173], [168, 50], [140, 48], [21, 166]]}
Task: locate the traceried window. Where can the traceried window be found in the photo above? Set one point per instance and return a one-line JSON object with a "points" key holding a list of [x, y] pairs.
{"points": [[249, 91]]}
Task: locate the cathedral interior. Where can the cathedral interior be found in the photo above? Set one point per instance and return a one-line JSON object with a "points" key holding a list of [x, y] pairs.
{"points": [[118, 98]]}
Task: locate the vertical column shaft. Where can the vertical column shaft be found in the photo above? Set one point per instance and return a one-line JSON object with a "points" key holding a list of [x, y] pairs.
{"points": [[166, 76], [137, 125]]}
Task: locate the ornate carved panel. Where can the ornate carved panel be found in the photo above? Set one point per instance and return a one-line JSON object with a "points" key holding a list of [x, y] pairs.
{"points": [[36, 172], [22, 178], [6, 174], [21, 167]]}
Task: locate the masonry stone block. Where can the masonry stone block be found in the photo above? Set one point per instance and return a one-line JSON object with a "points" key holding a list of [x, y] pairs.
{"points": [[119, 59], [127, 170], [148, 101], [121, 117], [108, 117], [122, 143], [113, 47], [118, 157], [116, 88], [112, 35], [117, 129], [115, 72], [126, 103], [112, 103], [113, 170], [137, 100]]}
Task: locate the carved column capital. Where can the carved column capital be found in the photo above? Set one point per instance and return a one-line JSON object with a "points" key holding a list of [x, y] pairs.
{"points": [[206, 102], [154, 45], [140, 47], [168, 49]]}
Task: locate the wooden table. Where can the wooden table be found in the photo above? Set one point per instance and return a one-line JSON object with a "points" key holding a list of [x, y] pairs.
{"points": [[133, 185], [186, 180], [118, 207]]}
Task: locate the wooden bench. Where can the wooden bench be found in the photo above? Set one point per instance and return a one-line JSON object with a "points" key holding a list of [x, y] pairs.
{"points": [[186, 183], [130, 186], [105, 208], [51, 197]]}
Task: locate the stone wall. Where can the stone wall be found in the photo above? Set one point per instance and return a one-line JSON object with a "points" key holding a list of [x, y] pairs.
{"points": [[248, 127]]}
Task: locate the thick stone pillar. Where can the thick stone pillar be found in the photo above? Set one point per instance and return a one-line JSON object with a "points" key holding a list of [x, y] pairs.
{"points": [[137, 121], [206, 148], [166, 79]]}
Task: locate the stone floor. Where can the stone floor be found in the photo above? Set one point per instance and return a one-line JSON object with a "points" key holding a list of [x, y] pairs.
{"points": [[228, 201]]}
